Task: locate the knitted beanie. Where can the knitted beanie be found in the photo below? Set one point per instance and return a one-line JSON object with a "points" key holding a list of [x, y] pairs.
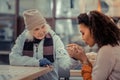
{"points": [[33, 18]]}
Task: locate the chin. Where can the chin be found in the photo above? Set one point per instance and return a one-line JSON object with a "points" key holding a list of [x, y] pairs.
{"points": [[91, 45], [41, 37]]}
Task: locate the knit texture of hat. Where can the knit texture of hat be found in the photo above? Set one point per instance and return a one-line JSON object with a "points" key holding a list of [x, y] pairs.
{"points": [[33, 18]]}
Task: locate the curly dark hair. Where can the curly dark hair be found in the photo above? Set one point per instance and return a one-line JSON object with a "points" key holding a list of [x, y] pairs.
{"points": [[104, 30]]}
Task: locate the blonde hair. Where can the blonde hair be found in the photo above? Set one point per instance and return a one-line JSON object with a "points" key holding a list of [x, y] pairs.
{"points": [[30, 32]]}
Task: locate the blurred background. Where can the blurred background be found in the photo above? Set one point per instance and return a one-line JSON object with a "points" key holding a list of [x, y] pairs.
{"points": [[60, 14]]}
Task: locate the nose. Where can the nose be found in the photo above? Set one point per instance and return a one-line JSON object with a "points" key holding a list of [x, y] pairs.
{"points": [[81, 37], [39, 32]]}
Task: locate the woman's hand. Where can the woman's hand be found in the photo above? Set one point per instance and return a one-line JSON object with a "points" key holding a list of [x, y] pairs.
{"points": [[77, 52], [71, 50]]}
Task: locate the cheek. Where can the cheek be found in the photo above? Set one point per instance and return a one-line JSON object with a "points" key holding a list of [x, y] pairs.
{"points": [[85, 37], [43, 31], [35, 33], [90, 41]]}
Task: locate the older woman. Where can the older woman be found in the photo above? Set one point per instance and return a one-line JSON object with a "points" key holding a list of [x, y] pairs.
{"points": [[47, 48], [100, 29]]}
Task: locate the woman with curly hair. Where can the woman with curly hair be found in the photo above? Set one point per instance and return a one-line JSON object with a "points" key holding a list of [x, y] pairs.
{"points": [[97, 28]]}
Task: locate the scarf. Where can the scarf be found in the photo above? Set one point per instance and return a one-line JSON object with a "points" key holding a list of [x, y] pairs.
{"points": [[47, 47]]}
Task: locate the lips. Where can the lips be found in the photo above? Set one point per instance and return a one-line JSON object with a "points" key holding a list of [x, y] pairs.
{"points": [[86, 43], [40, 35]]}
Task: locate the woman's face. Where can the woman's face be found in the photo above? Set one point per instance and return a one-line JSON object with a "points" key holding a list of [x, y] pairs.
{"points": [[86, 35], [39, 32]]}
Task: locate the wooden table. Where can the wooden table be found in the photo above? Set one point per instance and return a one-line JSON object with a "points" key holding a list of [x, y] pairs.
{"points": [[22, 73], [75, 73]]}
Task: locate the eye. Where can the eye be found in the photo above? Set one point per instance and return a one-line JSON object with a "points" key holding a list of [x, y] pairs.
{"points": [[36, 29], [42, 27], [81, 32]]}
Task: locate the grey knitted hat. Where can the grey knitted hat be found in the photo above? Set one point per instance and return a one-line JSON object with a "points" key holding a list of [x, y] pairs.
{"points": [[33, 18]]}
